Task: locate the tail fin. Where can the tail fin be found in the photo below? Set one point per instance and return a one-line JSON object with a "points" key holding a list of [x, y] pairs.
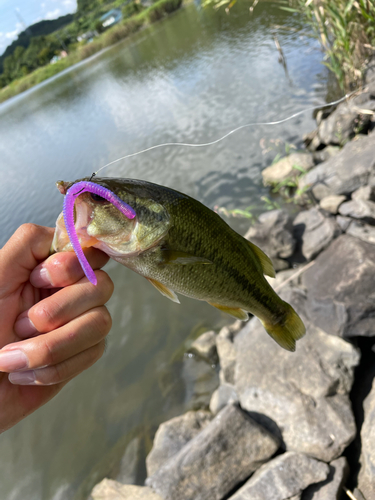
{"points": [[287, 331]]}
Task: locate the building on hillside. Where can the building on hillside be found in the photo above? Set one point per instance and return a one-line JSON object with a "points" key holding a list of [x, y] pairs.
{"points": [[89, 35], [111, 18]]}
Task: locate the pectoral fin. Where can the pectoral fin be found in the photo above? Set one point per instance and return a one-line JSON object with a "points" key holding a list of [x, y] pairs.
{"points": [[236, 312], [265, 261], [164, 290], [182, 258]]}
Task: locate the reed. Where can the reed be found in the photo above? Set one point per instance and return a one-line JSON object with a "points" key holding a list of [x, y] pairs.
{"points": [[346, 31]]}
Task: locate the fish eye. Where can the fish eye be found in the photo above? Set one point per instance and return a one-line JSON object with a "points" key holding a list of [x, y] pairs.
{"points": [[96, 197]]}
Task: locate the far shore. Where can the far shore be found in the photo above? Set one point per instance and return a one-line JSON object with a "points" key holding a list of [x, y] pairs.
{"points": [[158, 11]]}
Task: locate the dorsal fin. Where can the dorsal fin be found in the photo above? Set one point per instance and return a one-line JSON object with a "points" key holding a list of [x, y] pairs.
{"points": [[265, 261]]}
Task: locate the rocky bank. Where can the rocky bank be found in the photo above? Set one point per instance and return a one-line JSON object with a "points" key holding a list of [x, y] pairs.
{"points": [[297, 425]]}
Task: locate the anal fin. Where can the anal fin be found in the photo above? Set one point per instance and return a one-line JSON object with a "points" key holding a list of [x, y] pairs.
{"points": [[236, 312], [164, 290], [265, 261]]}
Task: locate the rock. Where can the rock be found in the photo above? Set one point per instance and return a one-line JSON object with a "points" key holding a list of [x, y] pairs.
{"points": [[340, 288], [311, 140], [173, 435], [129, 464], [366, 477], [359, 209], [332, 487], [366, 193], [220, 457], [362, 231], [301, 397], [322, 114], [370, 75], [282, 478], [198, 379], [314, 232], [288, 167], [343, 222], [205, 347], [332, 203], [227, 352], [358, 495], [325, 154], [224, 395], [112, 490], [345, 172], [284, 277], [342, 125], [273, 234]]}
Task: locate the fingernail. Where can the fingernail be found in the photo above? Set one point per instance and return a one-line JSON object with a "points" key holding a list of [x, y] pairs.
{"points": [[13, 360], [23, 378], [40, 277], [24, 327]]}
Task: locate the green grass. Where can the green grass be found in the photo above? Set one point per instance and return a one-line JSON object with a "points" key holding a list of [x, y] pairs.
{"points": [[124, 29]]}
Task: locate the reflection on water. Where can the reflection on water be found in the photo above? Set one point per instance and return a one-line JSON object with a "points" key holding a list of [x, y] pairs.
{"points": [[190, 78]]}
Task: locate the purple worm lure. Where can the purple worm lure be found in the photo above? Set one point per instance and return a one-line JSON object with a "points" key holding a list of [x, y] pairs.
{"points": [[68, 211]]}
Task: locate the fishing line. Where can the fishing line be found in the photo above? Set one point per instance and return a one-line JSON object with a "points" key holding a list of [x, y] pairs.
{"points": [[202, 145]]}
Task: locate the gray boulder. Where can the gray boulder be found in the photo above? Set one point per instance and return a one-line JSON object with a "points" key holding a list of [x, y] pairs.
{"points": [[224, 395], [130, 463], [362, 231], [343, 222], [302, 397], [288, 167], [331, 203], [359, 209], [332, 487], [325, 154], [366, 478], [173, 435], [273, 234], [342, 125], [314, 232], [205, 347], [340, 288], [112, 490], [366, 193], [345, 172], [312, 140], [282, 478], [223, 455], [227, 351]]}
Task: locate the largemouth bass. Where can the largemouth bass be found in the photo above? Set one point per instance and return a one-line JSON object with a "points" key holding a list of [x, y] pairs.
{"points": [[180, 246]]}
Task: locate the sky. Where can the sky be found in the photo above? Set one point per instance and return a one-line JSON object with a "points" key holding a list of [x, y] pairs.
{"points": [[13, 13]]}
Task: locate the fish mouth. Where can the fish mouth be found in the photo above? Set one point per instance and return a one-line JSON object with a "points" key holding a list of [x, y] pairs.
{"points": [[82, 218]]}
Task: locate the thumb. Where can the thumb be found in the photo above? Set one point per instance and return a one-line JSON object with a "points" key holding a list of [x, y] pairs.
{"points": [[28, 246]]}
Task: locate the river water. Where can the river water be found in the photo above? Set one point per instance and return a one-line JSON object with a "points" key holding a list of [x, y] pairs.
{"points": [[191, 78]]}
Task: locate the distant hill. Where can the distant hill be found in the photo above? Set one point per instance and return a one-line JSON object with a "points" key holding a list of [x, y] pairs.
{"points": [[37, 29]]}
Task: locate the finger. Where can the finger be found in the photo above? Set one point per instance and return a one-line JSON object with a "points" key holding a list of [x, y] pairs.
{"points": [[63, 268], [62, 371], [26, 248], [63, 306], [59, 345]]}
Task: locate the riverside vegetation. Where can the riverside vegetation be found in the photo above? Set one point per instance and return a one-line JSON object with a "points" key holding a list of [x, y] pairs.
{"points": [[27, 67], [346, 31]]}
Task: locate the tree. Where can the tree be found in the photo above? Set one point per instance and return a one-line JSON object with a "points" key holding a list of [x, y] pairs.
{"points": [[86, 6]]}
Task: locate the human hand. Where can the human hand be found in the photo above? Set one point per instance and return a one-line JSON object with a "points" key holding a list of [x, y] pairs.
{"points": [[53, 320]]}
